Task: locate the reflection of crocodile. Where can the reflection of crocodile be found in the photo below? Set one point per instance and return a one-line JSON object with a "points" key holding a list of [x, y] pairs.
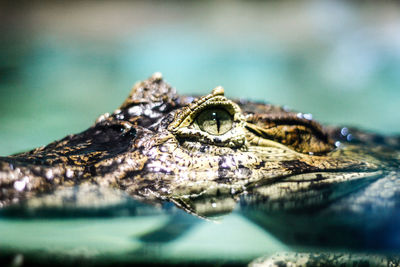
{"points": [[204, 154]]}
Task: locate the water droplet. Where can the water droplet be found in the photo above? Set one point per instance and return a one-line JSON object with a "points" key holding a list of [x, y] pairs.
{"points": [[307, 116], [214, 205], [21, 184], [147, 112], [103, 117], [120, 116], [337, 143], [163, 189], [69, 173], [135, 111], [49, 174], [349, 137], [344, 131]]}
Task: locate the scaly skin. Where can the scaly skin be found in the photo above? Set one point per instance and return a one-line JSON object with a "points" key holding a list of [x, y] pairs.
{"points": [[150, 149], [283, 167]]}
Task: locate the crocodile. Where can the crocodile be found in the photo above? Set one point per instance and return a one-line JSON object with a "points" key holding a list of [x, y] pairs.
{"points": [[211, 155]]}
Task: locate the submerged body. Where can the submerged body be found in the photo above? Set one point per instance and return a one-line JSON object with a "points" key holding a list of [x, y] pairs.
{"points": [[208, 154]]}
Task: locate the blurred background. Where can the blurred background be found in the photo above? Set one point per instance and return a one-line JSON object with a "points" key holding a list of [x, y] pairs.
{"points": [[63, 63]]}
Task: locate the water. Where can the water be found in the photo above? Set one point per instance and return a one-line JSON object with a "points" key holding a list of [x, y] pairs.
{"points": [[59, 73], [64, 72], [123, 240]]}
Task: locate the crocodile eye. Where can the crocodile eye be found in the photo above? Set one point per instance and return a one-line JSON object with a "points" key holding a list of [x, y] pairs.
{"points": [[215, 121], [211, 119]]}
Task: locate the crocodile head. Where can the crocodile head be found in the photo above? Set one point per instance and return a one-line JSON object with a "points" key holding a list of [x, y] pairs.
{"points": [[200, 153]]}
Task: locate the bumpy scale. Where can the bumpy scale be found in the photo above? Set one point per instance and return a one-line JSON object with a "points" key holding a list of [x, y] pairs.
{"points": [[207, 154]]}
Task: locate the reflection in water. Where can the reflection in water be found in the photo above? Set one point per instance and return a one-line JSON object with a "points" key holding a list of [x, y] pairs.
{"points": [[58, 73], [298, 196]]}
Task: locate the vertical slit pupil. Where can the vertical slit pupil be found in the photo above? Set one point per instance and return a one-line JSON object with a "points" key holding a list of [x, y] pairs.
{"points": [[215, 121]]}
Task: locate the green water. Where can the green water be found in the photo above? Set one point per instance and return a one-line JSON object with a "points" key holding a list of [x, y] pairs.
{"points": [[58, 74], [63, 66], [118, 240]]}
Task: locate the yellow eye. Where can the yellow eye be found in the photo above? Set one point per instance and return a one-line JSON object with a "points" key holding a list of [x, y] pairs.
{"points": [[215, 121]]}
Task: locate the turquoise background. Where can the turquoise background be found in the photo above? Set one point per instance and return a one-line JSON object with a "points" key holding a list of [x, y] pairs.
{"points": [[61, 66]]}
